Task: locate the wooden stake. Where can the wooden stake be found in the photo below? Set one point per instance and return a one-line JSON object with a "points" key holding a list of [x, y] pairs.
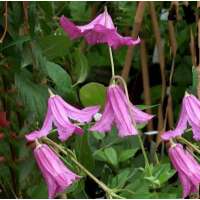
{"points": [[156, 31], [135, 31], [145, 76]]}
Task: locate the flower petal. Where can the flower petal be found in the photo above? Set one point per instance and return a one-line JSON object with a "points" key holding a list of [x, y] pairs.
{"points": [[138, 115], [55, 173], [44, 131], [99, 30], [70, 28], [181, 125], [192, 106], [186, 184], [64, 126], [185, 165], [105, 123], [123, 119], [103, 19], [84, 115]]}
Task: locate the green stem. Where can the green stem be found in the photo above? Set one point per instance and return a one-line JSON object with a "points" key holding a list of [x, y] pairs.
{"points": [[184, 141], [70, 154], [133, 121], [111, 61], [145, 155]]}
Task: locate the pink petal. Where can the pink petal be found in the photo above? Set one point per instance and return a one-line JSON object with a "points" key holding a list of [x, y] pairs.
{"points": [[44, 131], [192, 107], [103, 19], [70, 28], [122, 117], [64, 126], [138, 115], [195, 130], [115, 40], [55, 173], [181, 125], [99, 30], [187, 168], [107, 118], [84, 115], [186, 184]]}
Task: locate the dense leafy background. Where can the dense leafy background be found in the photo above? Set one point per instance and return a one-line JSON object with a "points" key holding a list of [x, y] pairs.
{"points": [[42, 57]]}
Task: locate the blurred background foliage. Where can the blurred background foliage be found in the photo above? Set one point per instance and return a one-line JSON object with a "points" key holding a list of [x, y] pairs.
{"points": [[37, 54]]}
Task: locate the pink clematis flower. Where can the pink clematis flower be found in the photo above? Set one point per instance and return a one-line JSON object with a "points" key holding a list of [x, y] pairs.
{"points": [[57, 177], [189, 115], [117, 111], [58, 113], [187, 167], [100, 30]]}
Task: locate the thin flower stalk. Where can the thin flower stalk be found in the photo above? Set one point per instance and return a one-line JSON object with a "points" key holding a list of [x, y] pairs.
{"points": [[134, 123], [70, 154]]}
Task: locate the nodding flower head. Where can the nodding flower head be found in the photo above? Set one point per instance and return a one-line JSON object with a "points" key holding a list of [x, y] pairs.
{"points": [[57, 176], [59, 113], [119, 111], [189, 115], [187, 168], [99, 30]]}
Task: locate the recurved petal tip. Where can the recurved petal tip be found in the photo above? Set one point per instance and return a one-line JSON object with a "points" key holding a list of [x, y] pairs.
{"points": [[32, 136], [137, 41]]}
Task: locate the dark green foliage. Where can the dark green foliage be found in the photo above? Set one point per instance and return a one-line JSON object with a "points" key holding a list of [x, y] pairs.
{"points": [[44, 57]]}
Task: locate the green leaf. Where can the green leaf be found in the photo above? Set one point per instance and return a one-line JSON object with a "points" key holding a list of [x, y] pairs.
{"points": [[79, 11], [161, 174], [25, 169], [83, 151], [144, 107], [17, 42], [55, 46], [81, 66], [93, 94], [121, 178], [108, 155], [38, 191], [126, 154], [34, 96], [111, 155], [98, 136], [194, 80], [59, 76]]}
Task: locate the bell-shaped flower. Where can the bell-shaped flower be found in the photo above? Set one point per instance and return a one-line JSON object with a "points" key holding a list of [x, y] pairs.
{"points": [[119, 111], [99, 30], [57, 177], [189, 115], [187, 167], [59, 114]]}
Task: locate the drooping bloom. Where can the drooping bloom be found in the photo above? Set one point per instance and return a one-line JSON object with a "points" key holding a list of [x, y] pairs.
{"points": [[100, 30], [187, 167], [57, 177], [59, 113], [189, 115], [117, 111], [3, 121]]}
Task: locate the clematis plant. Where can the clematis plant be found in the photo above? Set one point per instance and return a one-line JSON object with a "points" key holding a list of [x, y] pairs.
{"points": [[99, 30], [189, 115], [59, 113], [187, 167], [57, 177], [119, 111]]}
